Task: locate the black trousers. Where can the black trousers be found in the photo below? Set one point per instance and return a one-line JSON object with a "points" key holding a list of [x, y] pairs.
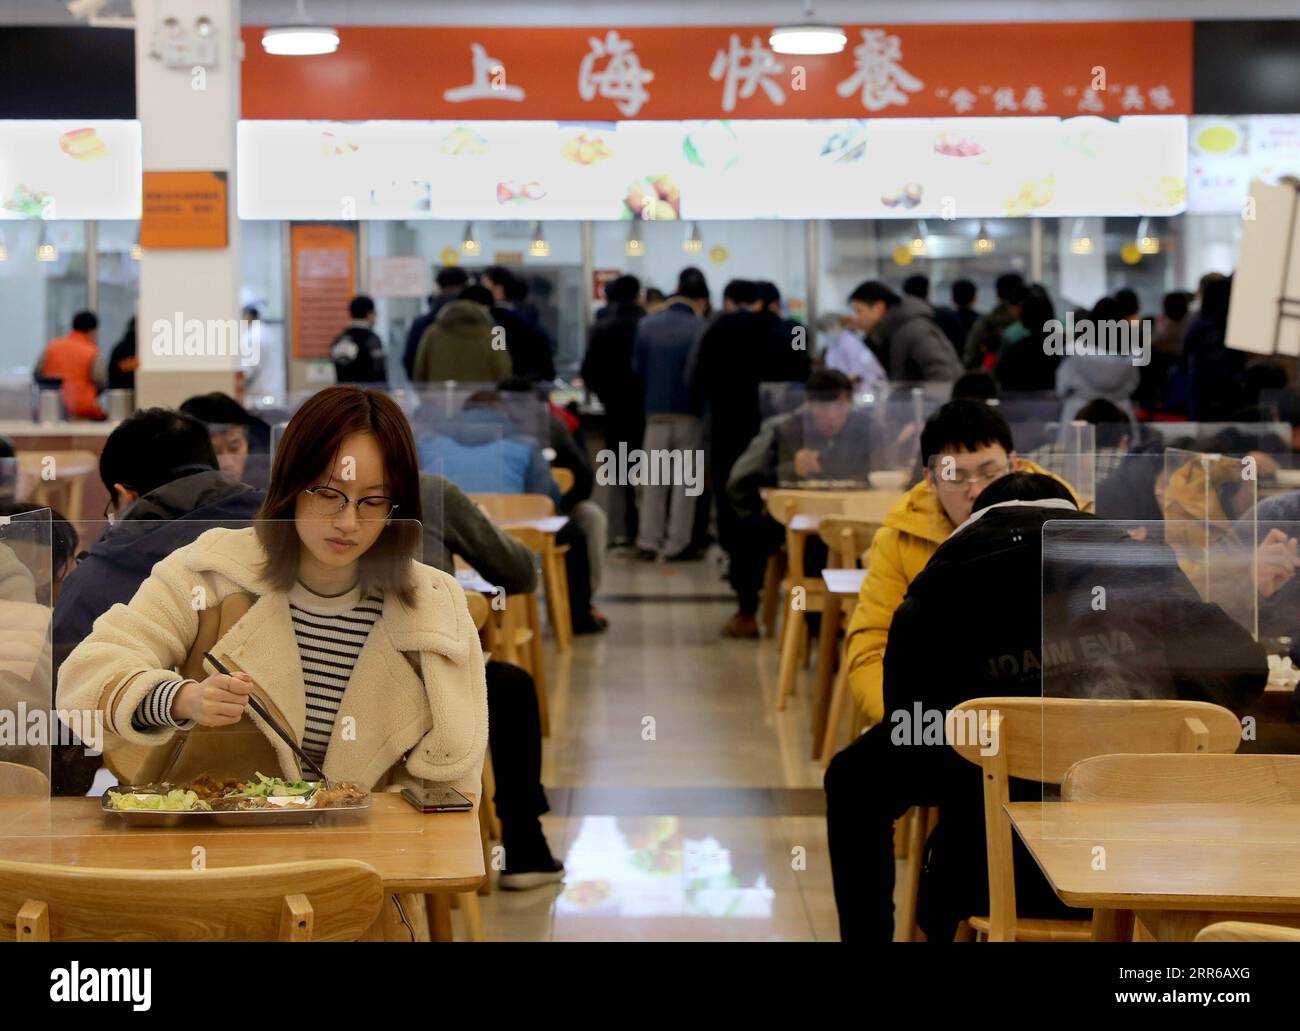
{"points": [[515, 737], [578, 568], [755, 540], [873, 782]]}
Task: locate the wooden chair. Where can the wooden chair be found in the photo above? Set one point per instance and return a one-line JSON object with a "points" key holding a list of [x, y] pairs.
{"points": [[325, 900], [67, 487], [563, 479], [1039, 739], [1182, 778], [506, 508], [784, 506], [19, 781], [1236, 931]]}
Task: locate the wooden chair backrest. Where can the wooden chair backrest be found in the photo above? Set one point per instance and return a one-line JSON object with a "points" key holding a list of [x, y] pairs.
{"points": [[848, 538], [17, 780], [503, 507], [531, 537], [563, 479], [1041, 738], [1171, 779], [325, 900], [478, 608], [1237, 931]]}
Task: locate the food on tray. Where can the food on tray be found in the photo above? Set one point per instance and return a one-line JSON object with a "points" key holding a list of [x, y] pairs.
{"points": [[207, 794], [82, 144]]}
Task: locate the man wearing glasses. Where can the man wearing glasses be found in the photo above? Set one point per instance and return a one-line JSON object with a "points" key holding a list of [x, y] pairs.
{"points": [[965, 446]]}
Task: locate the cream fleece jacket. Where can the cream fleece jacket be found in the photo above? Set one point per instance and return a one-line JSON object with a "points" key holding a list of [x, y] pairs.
{"points": [[405, 725]]}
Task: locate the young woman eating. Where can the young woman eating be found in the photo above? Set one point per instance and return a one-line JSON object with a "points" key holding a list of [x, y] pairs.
{"points": [[368, 657]]}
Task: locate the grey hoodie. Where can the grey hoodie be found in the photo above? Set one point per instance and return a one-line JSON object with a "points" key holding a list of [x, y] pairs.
{"points": [[911, 345], [1081, 378]]}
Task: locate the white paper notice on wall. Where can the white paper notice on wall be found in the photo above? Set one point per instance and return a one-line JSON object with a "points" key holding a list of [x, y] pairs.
{"points": [[400, 277], [1264, 316]]}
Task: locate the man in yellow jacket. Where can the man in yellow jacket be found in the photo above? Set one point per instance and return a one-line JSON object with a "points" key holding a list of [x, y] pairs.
{"points": [[965, 446]]}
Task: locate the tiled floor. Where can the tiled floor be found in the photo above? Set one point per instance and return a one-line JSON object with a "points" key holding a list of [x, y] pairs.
{"points": [[684, 806]]}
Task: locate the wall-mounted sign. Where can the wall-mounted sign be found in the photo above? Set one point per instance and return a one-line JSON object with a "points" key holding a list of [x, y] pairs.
{"points": [[1226, 153], [936, 70], [324, 262], [850, 168], [402, 276], [70, 170], [184, 211], [600, 278]]}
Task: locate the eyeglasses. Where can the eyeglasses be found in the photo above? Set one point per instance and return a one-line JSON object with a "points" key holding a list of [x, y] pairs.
{"points": [[953, 480], [323, 502]]}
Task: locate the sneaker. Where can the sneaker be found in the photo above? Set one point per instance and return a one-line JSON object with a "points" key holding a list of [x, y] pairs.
{"points": [[742, 626], [523, 880]]}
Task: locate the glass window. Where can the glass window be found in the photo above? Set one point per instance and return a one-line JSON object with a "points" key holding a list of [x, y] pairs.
{"points": [[118, 274], [39, 294]]}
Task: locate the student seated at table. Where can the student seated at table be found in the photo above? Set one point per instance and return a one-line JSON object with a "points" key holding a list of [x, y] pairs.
{"points": [[454, 527], [241, 440], [823, 439], [965, 446], [972, 625], [367, 656]]}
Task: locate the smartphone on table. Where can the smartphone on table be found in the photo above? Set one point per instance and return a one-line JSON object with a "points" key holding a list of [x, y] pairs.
{"points": [[436, 798]]}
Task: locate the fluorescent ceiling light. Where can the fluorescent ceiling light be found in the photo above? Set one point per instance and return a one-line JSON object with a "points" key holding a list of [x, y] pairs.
{"points": [[300, 40], [807, 39]]}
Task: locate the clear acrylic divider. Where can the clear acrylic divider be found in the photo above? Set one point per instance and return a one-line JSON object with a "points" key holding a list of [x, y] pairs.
{"points": [[1149, 647], [31, 727]]}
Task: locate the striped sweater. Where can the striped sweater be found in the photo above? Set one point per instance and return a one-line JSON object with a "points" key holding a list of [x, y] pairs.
{"points": [[331, 632]]}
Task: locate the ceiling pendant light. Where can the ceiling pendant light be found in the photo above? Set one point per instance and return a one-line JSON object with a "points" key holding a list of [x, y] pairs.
{"points": [[4, 251], [539, 248], [917, 245], [694, 242], [635, 247], [468, 242], [1081, 242], [983, 242], [807, 37], [301, 40], [1146, 242], [45, 250]]}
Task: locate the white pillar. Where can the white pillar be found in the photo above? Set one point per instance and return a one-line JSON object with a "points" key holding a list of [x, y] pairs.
{"points": [[188, 117]]}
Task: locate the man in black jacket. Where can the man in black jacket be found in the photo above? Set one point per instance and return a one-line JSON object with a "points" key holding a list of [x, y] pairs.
{"points": [[357, 352], [973, 625], [531, 353], [747, 345], [607, 372]]}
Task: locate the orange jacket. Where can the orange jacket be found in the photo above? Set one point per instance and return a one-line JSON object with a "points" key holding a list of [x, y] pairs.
{"points": [[72, 359]]}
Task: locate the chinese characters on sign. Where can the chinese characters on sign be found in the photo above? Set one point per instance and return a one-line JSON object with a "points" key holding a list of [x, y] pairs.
{"points": [[659, 73]]}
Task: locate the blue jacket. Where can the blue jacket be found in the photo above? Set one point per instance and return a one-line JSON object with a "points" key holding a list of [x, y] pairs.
{"points": [[659, 357], [483, 451]]}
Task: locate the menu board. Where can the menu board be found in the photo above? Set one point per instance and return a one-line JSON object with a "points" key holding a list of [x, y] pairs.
{"points": [[70, 170], [323, 283], [1225, 154], [723, 169]]}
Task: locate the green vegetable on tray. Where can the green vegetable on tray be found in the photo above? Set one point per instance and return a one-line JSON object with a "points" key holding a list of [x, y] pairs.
{"points": [[175, 800], [275, 787]]}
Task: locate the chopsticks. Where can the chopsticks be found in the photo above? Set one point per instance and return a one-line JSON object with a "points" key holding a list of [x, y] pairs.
{"points": [[271, 721]]}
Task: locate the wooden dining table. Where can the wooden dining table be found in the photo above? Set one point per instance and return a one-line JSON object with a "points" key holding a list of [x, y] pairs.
{"points": [[1169, 870], [435, 854]]}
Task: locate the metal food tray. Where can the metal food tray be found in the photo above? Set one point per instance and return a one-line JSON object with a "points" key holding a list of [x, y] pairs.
{"points": [[197, 819]]}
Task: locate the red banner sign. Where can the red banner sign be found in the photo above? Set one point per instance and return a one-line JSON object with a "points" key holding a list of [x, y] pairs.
{"points": [[612, 74]]}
